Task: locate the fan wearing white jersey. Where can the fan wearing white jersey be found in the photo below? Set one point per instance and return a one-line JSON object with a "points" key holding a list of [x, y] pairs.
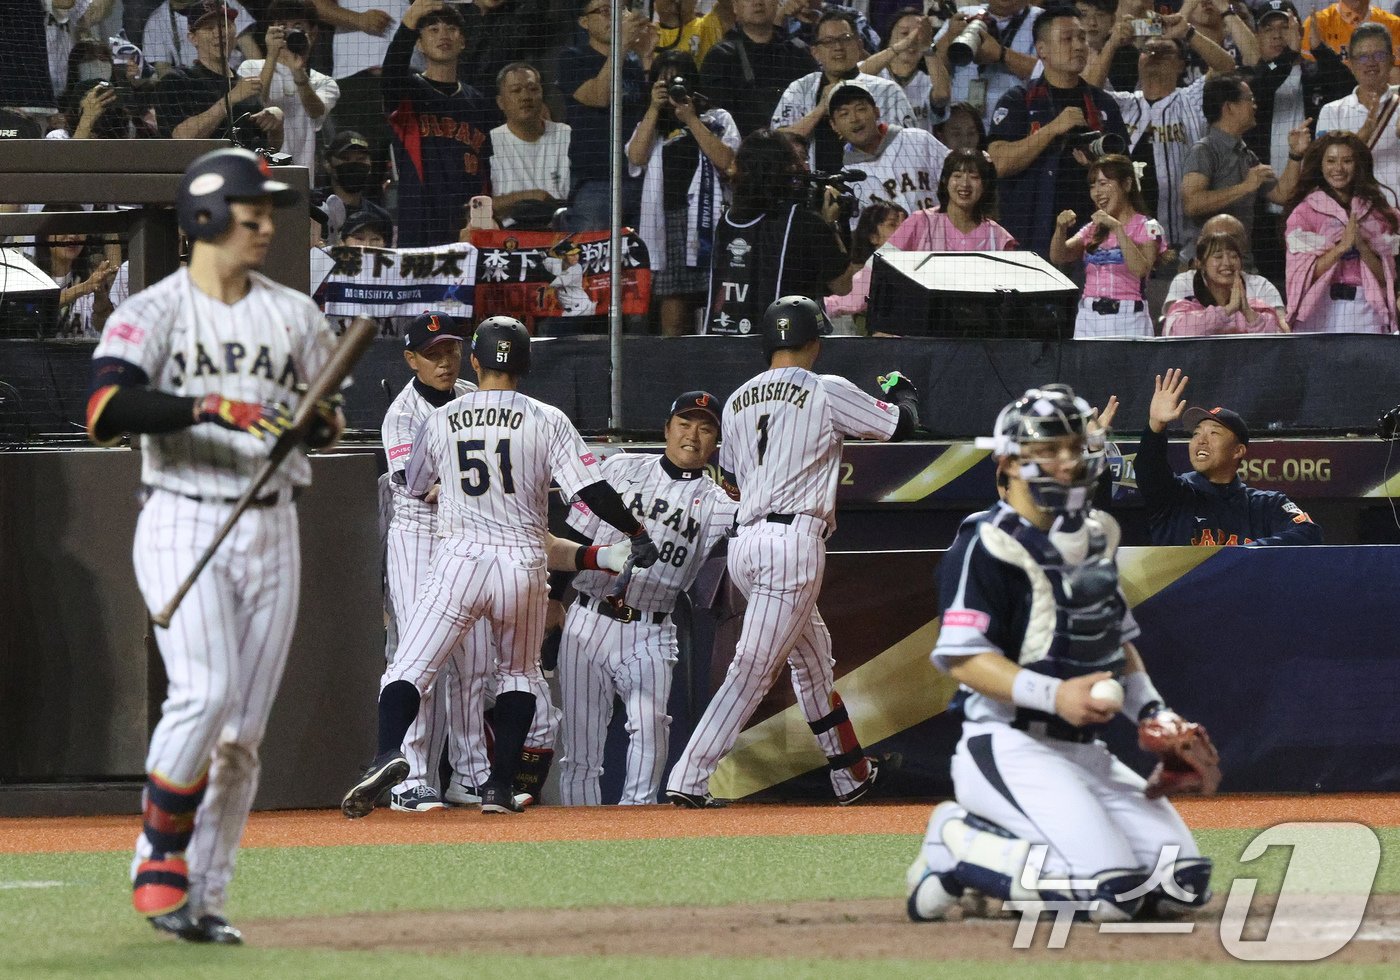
{"points": [[629, 647], [204, 363], [493, 451], [901, 165], [783, 432]]}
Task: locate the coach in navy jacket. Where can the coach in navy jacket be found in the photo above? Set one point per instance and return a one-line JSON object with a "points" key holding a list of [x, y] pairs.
{"points": [[1210, 506]]}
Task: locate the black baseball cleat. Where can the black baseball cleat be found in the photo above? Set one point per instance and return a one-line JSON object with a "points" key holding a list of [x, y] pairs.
{"points": [[499, 799], [694, 801], [205, 929], [384, 772], [863, 788]]}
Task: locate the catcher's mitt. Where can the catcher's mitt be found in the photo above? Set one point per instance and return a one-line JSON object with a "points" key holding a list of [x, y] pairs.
{"points": [[1189, 762]]}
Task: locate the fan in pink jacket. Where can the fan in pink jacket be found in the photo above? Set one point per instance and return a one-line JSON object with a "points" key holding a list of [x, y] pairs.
{"points": [[1341, 242], [1219, 302]]}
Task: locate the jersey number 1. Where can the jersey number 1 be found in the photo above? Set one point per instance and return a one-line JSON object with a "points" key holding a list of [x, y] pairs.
{"points": [[762, 437], [476, 478]]}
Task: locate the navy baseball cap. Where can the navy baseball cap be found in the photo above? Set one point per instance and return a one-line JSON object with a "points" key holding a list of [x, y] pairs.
{"points": [[1231, 420], [429, 328], [696, 401], [1273, 8], [848, 92]]}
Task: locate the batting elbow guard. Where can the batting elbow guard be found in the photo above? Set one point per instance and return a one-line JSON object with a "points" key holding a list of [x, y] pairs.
{"points": [[908, 417]]}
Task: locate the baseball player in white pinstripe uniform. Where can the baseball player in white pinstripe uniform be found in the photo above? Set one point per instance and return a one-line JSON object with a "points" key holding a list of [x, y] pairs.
{"points": [[901, 165], [433, 351], [783, 432], [199, 363], [493, 451], [450, 711], [629, 648]]}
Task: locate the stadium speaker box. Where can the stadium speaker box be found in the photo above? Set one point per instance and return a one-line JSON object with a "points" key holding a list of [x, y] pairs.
{"points": [[989, 295]]}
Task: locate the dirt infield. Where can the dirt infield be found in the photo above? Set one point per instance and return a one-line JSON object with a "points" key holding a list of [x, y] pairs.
{"points": [[327, 828], [865, 929]]}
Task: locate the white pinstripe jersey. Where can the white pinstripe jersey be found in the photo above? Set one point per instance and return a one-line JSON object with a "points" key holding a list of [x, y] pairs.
{"points": [[904, 169], [686, 516], [1177, 122], [401, 425], [783, 432], [190, 344], [801, 97], [917, 90], [494, 453]]}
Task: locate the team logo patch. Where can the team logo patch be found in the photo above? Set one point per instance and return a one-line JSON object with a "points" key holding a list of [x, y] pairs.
{"points": [[970, 618], [738, 253], [783, 324], [581, 507], [588, 459], [998, 116], [434, 324], [206, 184], [399, 452], [882, 406], [745, 326], [129, 332]]}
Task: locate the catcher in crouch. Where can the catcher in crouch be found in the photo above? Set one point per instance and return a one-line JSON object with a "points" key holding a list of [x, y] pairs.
{"points": [[1033, 618]]}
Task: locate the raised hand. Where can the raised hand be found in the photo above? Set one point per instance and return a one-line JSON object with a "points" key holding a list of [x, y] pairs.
{"points": [[1167, 404], [1065, 220]]}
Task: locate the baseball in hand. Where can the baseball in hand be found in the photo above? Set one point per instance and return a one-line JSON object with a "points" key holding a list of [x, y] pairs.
{"points": [[1108, 690]]}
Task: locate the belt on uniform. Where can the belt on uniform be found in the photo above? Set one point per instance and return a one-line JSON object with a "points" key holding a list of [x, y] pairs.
{"points": [[623, 614], [267, 500], [1343, 291], [803, 522], [1110, 306], [1056, 728]]}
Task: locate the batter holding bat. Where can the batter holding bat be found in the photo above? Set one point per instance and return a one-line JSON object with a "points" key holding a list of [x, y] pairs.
{"points": [[203, 364], [1038, 634]]}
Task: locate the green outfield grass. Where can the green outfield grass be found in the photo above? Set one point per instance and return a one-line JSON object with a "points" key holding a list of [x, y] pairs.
{"points": [[83, 926]]}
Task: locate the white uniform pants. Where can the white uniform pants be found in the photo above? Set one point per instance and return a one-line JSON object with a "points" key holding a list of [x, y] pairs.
{"points": [[779, 569], [1124, 323], [224, 653], [598, 659], [1078, 799]]}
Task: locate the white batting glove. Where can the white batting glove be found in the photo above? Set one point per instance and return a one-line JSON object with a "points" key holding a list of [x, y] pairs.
{"points": [[614, 556]]}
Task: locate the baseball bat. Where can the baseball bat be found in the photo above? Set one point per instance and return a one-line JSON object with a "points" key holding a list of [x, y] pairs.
{"points": [[358, 336]]}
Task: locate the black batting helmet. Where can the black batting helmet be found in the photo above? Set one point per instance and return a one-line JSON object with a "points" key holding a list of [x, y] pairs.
{"points": [[217, 178], [791, 322], [501, 343]]}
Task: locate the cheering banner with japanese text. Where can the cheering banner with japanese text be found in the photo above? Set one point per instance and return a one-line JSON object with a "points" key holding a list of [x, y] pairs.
{"points": [[533, 274], [398, 282]]}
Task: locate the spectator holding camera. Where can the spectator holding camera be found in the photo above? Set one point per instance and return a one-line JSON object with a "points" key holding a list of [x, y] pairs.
{"points": [[207, 99], [1220, 301], [1224, 174], [304, 95], [1341, 238], [441, 127], [1119, 245], [772, 242], [804, 110], [91, 110], [964, 220], [911, 61], [990, 49], [585, 78], [1369, 111], [1229, 26], [1043, 134], [901, 164], [683, 148], [750, 69], [82, 278]]}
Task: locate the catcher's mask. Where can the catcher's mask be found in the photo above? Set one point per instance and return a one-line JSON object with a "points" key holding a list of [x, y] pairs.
{"points": [[1042, 416]]}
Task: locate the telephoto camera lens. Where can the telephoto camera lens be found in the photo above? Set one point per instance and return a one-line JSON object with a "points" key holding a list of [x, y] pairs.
{"points": [[298, 43], [964, 49], [677, 89]]}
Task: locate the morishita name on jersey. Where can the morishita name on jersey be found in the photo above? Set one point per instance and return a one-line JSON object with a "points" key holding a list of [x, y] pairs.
{"points": [[234, 356], [773, 391], [466, 417]]}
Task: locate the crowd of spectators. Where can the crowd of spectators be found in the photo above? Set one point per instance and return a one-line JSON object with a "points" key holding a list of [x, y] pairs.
{"points": [[1110, 136]]}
